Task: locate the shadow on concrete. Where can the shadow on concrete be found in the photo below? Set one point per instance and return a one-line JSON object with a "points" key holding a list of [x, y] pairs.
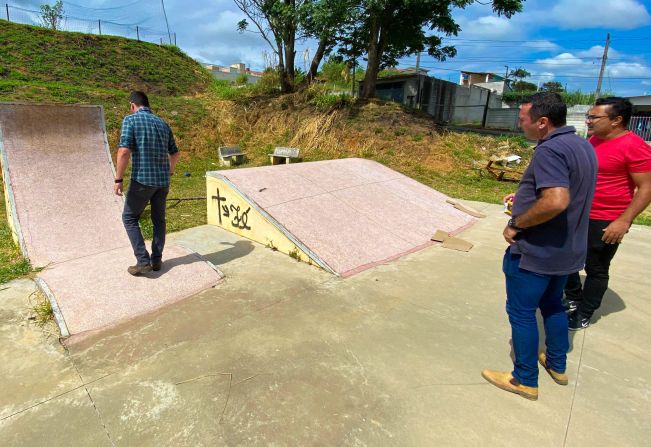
{"points": [[236, 250], [611, 303]]}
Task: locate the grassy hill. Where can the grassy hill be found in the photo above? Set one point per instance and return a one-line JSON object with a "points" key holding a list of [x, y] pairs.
{"points": [[36, 55]]}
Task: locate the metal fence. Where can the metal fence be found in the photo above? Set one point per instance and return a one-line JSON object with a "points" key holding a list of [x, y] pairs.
{"points": [[641, 125], [89, 26]]}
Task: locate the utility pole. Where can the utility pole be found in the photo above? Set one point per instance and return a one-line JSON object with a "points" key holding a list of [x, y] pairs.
{"points": [[603, 66], [166, 22]]}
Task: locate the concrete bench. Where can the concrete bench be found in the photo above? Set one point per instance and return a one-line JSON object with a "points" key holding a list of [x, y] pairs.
{"points": [[284, 155], [230, 155]]}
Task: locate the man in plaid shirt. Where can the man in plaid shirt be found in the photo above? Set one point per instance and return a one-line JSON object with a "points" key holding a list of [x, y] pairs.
{"points": [[148, 141]]}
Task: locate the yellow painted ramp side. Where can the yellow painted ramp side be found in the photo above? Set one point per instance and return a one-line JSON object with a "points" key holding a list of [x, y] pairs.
{"points": [[230, 210], [9, 202]]}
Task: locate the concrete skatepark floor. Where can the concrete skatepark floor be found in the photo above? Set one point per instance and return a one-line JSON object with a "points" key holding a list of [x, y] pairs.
{"points": [[285, 354]]}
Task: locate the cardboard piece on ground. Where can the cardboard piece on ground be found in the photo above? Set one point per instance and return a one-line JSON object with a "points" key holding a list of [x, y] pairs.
{"points": [[455, 243], [440, 236], [466, 209]]}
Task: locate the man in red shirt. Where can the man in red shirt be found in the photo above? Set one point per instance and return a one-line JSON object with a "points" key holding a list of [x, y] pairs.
{"points": [[623, 191]]}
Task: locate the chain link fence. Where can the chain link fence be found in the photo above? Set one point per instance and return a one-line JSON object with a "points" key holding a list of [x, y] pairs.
{"points": [[24, 16]]}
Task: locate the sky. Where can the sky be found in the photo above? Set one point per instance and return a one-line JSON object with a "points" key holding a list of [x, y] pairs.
{"points": [[554, 40]]}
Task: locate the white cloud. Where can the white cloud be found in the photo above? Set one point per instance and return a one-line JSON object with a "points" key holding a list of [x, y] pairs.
{"points": [[597, 51], [486, 28], [620, 14]]}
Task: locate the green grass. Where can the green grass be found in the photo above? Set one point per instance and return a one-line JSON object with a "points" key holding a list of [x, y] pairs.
{"points": [[34, 54], [12, 264]]}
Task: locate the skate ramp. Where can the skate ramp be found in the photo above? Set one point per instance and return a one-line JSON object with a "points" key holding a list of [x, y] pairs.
{"points": [[58, 177], [344, 215]]}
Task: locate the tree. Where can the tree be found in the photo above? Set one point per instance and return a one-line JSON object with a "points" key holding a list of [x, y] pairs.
{"points": [[520, 85], [519, 74], [524, 86], [552, 86], [327, 21], [390, 29], [277, 22], [51, 16]]}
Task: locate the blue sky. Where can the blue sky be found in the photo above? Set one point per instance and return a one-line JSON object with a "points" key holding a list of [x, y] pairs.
{"points": [[561, 40]]}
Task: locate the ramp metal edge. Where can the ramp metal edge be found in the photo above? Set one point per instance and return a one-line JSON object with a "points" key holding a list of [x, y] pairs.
{"points": [[320, 262], [58, 315], [11, 198]]}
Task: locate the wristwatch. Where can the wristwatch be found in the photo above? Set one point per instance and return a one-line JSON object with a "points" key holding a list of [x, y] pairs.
{"points": [[512, 224]]}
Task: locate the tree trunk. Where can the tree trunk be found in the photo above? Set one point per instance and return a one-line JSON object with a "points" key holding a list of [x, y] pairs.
{"points": [[316, 60], [290, 56], [374, 56], [285, 84]]}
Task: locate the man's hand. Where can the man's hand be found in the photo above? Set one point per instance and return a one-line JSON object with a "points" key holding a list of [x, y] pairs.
{"points": [[117, 189], [614, 233], [508, 197], [509, 234]]}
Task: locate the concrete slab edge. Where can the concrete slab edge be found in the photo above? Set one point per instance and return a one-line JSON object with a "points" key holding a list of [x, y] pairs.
{"points": [[58, 315], [210, 264], [320, 262], [11, 198]]}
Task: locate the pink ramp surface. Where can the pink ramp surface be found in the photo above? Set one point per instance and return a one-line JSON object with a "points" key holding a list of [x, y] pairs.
{"points": [[97, 292], [61, 175], [59, 180], [351, 213]]}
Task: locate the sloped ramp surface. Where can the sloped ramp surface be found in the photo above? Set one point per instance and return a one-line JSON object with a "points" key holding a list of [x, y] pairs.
{"points": [[58, 178], [346, 215]]}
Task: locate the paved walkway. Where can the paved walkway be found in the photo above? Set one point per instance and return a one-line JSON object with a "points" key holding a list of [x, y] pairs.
{"points": [[285, 354]]}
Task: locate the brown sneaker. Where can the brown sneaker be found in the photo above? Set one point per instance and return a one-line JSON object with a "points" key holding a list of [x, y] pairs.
{"points": [[156, 265], [560, 378], [138, 269], [507, 382]]}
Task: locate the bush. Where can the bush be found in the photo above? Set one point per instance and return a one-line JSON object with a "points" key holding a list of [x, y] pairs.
{"points": [[269, 82], [242, 79], [225, 90], [570, 98], [328, 101]]}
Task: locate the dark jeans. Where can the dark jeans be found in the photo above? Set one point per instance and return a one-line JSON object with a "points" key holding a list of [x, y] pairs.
{"points": [[137, 198], [526, 292], [588, 298]]}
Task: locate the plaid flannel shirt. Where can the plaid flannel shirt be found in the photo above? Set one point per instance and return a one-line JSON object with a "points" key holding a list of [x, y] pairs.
{"points": [[150, 140]]}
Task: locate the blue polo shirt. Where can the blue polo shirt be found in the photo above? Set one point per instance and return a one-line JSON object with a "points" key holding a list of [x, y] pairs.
{"points": [[150, 140], [558, 246]]}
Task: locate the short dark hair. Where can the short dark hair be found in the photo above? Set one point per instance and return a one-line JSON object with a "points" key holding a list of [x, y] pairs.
{"points": [[139, 99], [549, 105], [618, 107]]}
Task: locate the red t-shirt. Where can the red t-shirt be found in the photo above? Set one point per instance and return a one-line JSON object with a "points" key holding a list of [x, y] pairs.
{"points": [[617, 159]]}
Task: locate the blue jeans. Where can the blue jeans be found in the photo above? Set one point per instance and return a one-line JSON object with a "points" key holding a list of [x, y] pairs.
{"points": [[137, 198], [525, 292]]}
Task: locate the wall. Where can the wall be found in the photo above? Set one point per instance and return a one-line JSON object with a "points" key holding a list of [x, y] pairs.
{"points": [[506, 119], [470, 102]]}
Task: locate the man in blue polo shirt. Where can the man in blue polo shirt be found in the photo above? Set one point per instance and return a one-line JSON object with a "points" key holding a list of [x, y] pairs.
{"points": [[148, 141], [546, 236]]}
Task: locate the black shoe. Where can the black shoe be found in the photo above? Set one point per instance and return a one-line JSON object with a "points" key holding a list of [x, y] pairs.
{"points": [[139, 269], [156, 265], [569, 304], [578, 322]]}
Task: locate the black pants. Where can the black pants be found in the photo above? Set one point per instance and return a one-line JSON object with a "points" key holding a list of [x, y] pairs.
{"points": [[137, 198], [588, 298]]}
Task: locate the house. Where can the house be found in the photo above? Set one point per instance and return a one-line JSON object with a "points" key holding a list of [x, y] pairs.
{"points": [[445, 101], [641, 119], [496, 83], [232, 72]]}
